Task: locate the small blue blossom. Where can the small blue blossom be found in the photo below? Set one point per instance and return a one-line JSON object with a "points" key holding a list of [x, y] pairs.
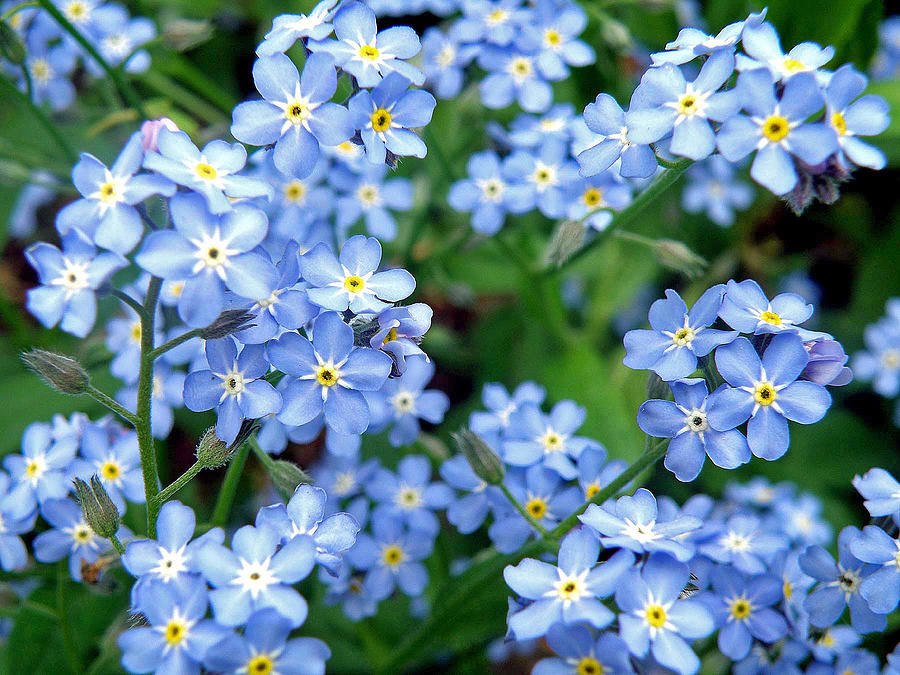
{"points": [[212, 172], [594, 472], [443, 62], [41, 472], [364, 193], [776, 129], [69, 537], [50, 69], [469, 511], [328, 374], [766, 392], [881, 492], [763, 50], [410, 495], [115, 461], [500, 405], [851, 661], [881, 589], [852, 117], [594, 200], [252, 575], [210, 253], [39, 191], [350, 280], [677, 337], [632, 523], [549, 440], [577, 648], [489, 193], [547, 173], [605, 117], [692, 42], [13, 554], [834, 642], [654, 619], [69, 281], [386, 115], [693, 439], [352, 593], [289, 28], [714, 188], [106, 212], [743, 542], [366, 54], [400, 330], [570, 592], [826, 366], [553, 29], [880, 363], [296, 114], [119, 40], [513, 75], [489, 21], [747, 309]]}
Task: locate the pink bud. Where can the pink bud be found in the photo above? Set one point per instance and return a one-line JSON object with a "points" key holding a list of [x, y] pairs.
{"points": [[150, 132]]}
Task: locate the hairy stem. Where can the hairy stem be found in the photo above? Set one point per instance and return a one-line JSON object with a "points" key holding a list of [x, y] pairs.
{"points": [[169, 491], [108, 402], [174, 342], [230, 486], [144, 402], [522, 510]]}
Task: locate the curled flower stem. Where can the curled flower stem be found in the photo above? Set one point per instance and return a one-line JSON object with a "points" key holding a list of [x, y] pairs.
{"points": [[128, 300], [174, 342], [125, 89], [521, 509], [149, 467], [229, 486], [169, 491], [107, 401]]}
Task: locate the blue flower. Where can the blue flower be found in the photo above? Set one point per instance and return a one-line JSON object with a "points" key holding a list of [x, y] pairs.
{"points": [[106, 211], [491, 191], [763, 50], [364, 192], [513, 75], [839, 586], [549, 440], [881, 362], [443, 62], [501, 406], [633, 523], [233, 385], [39, 190], [170, 558], [410, 495], [578, 650], [685, 422], [296, 114], [692, 42], [834, 642], [866, 116], [392, 556], [714, 188], [212, 172], [288, 28], [492, 21], [744, 542], [264, 647], [328, 375], [777, 129], [210, 253], [552, 30], [826, 363], [41, 472], [304, 515], [178, 636], [115, 460], [593, 200], [367, 54], [747, 309], [881, 492], [252, 575], [70, 537], [881, 589], [801, 520], [594, 472], [13, 554], [343, 477], [568, 593], [605, 117], [69, 281], [468, 512], [350, 281], [670, 104], [50, 68], [400, 330], [852, 661], [766, 392], [119, 38], [403, 401], [743, 610], [678, 336], [386, 115], [547, 173], [655, 620], [351, 592], [167, 395]]}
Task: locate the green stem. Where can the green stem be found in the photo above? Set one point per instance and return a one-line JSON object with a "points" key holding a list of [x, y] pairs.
{"points": [[521, 509], [114, 540], [46, 122], [124, 86], [230, 485], [108, 402], [636, 238], [128, 300], [144, 402], [174, 342], [65, 629], [264, 457], [169, 491], [663, 181], [8, 14]]}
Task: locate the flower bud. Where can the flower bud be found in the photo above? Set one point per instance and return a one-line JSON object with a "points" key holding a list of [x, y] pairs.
{"points": [[675, 255], [212, 452], [228, 322], [98, 509], [286, 476], [484, 461], [567, 239], [11, 46], [150, 132], [616, 35], [59, 372], [184, 34], [826, 364]]}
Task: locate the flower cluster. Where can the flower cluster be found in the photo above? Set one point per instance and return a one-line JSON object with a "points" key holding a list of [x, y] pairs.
{"points": [[879, 363], [51, 56]]}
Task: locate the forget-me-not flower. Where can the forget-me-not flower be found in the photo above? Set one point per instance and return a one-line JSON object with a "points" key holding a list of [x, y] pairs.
{"points": [[852, 117]]}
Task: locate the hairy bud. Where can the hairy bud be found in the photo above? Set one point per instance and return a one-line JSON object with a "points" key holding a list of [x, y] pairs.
{"points": [[98, 509], [212, 452], [484, 461], [60, 372], [675, 255], [228, 322], [286, 476], [567, 239]]}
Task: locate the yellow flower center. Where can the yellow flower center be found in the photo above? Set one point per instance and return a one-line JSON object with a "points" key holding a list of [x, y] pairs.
{"points": [[570, 589], [839, 123], [76, 11], [592, 197], [890, 358], [687, 105], [520, 66], [392, 555], [234, 383], [110, 470], [368, 52], [381, 120], [368, 195], [82, 533], [552, 37], [409, 498], [390, 337], [176, 631], [108, 192], [260, 664], [765, 394], [297, 112], [827, 639], [40, 70], [683, 337], [327, 376], [354, 284], [591, 490], [740, 609], [34, 468], [136, 332], [295, 191], [776, 128], [497, 16], [552, 441], [793, 65], [787, 589], [771, 318], [589, 666], [206, 171], [537, 507], [655, 615]]}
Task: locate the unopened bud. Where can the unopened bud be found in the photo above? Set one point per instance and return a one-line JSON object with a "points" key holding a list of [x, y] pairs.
{"points": [[567, 239], [212, 452], [11, 46], [184, 34], [98, 509], [60, 372], [286, 476], [615, 34], [150, 132], [484, 461], [675, 255], [228, 322]]}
